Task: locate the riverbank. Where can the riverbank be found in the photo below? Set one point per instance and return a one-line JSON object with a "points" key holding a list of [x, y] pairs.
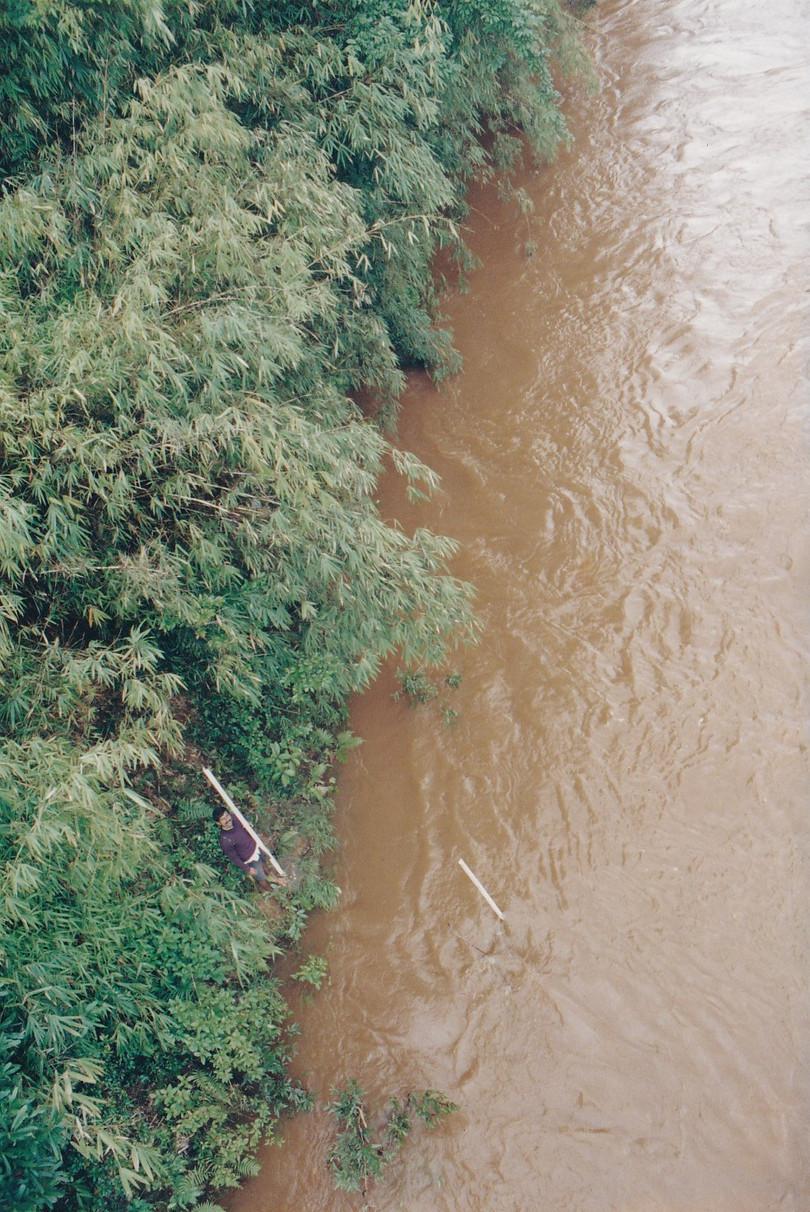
{"points": [[623, 463], [218, 229]]}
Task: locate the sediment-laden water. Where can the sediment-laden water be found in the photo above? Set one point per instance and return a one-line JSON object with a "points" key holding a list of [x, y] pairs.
{"points": [[625, 465]]}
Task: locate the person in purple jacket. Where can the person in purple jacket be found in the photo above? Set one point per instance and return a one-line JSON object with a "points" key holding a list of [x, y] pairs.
{"points": [[240, 848]]}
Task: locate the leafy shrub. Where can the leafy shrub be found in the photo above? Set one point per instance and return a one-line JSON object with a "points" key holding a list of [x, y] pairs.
{"points": [[31, 1140], [359, 1155], [313, 971], [416, 686]]}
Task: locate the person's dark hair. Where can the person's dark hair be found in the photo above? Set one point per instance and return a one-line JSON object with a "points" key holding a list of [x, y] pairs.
{"points": [[217, 813]]}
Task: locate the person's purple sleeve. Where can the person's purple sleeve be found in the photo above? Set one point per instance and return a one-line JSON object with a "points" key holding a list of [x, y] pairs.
{"points": [[228, 843]]}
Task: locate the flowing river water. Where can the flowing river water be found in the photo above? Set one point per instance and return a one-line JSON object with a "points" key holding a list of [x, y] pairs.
{"points": [[624, 464]]}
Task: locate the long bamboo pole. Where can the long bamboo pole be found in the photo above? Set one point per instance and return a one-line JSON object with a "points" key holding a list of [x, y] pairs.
{"points": [[480, 888], [215, 783]]}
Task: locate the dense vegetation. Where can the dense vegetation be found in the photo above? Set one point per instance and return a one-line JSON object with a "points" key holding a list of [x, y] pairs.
{"points": [[217, 225]]}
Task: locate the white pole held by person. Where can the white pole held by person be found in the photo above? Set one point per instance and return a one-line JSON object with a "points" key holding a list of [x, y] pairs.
{"points": [[220, 790]]}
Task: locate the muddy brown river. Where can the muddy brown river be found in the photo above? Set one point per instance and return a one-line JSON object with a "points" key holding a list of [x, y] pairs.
{"points": [[624, 462]]}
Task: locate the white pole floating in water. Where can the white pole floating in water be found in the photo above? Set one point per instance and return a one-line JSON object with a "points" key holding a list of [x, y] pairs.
{"points": [[480, 887], [215, 783]]}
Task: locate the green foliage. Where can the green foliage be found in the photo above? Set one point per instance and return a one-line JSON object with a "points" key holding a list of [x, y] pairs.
{"points": [[63, 62], [432, 1106], [355, 1158], [416, 686], [31, 1139], [313, 971], [360, 1154], [123, 976], [217, 230]]}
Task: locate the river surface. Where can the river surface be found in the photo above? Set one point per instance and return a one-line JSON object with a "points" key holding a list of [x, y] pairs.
{"points": [[624, 462]]}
